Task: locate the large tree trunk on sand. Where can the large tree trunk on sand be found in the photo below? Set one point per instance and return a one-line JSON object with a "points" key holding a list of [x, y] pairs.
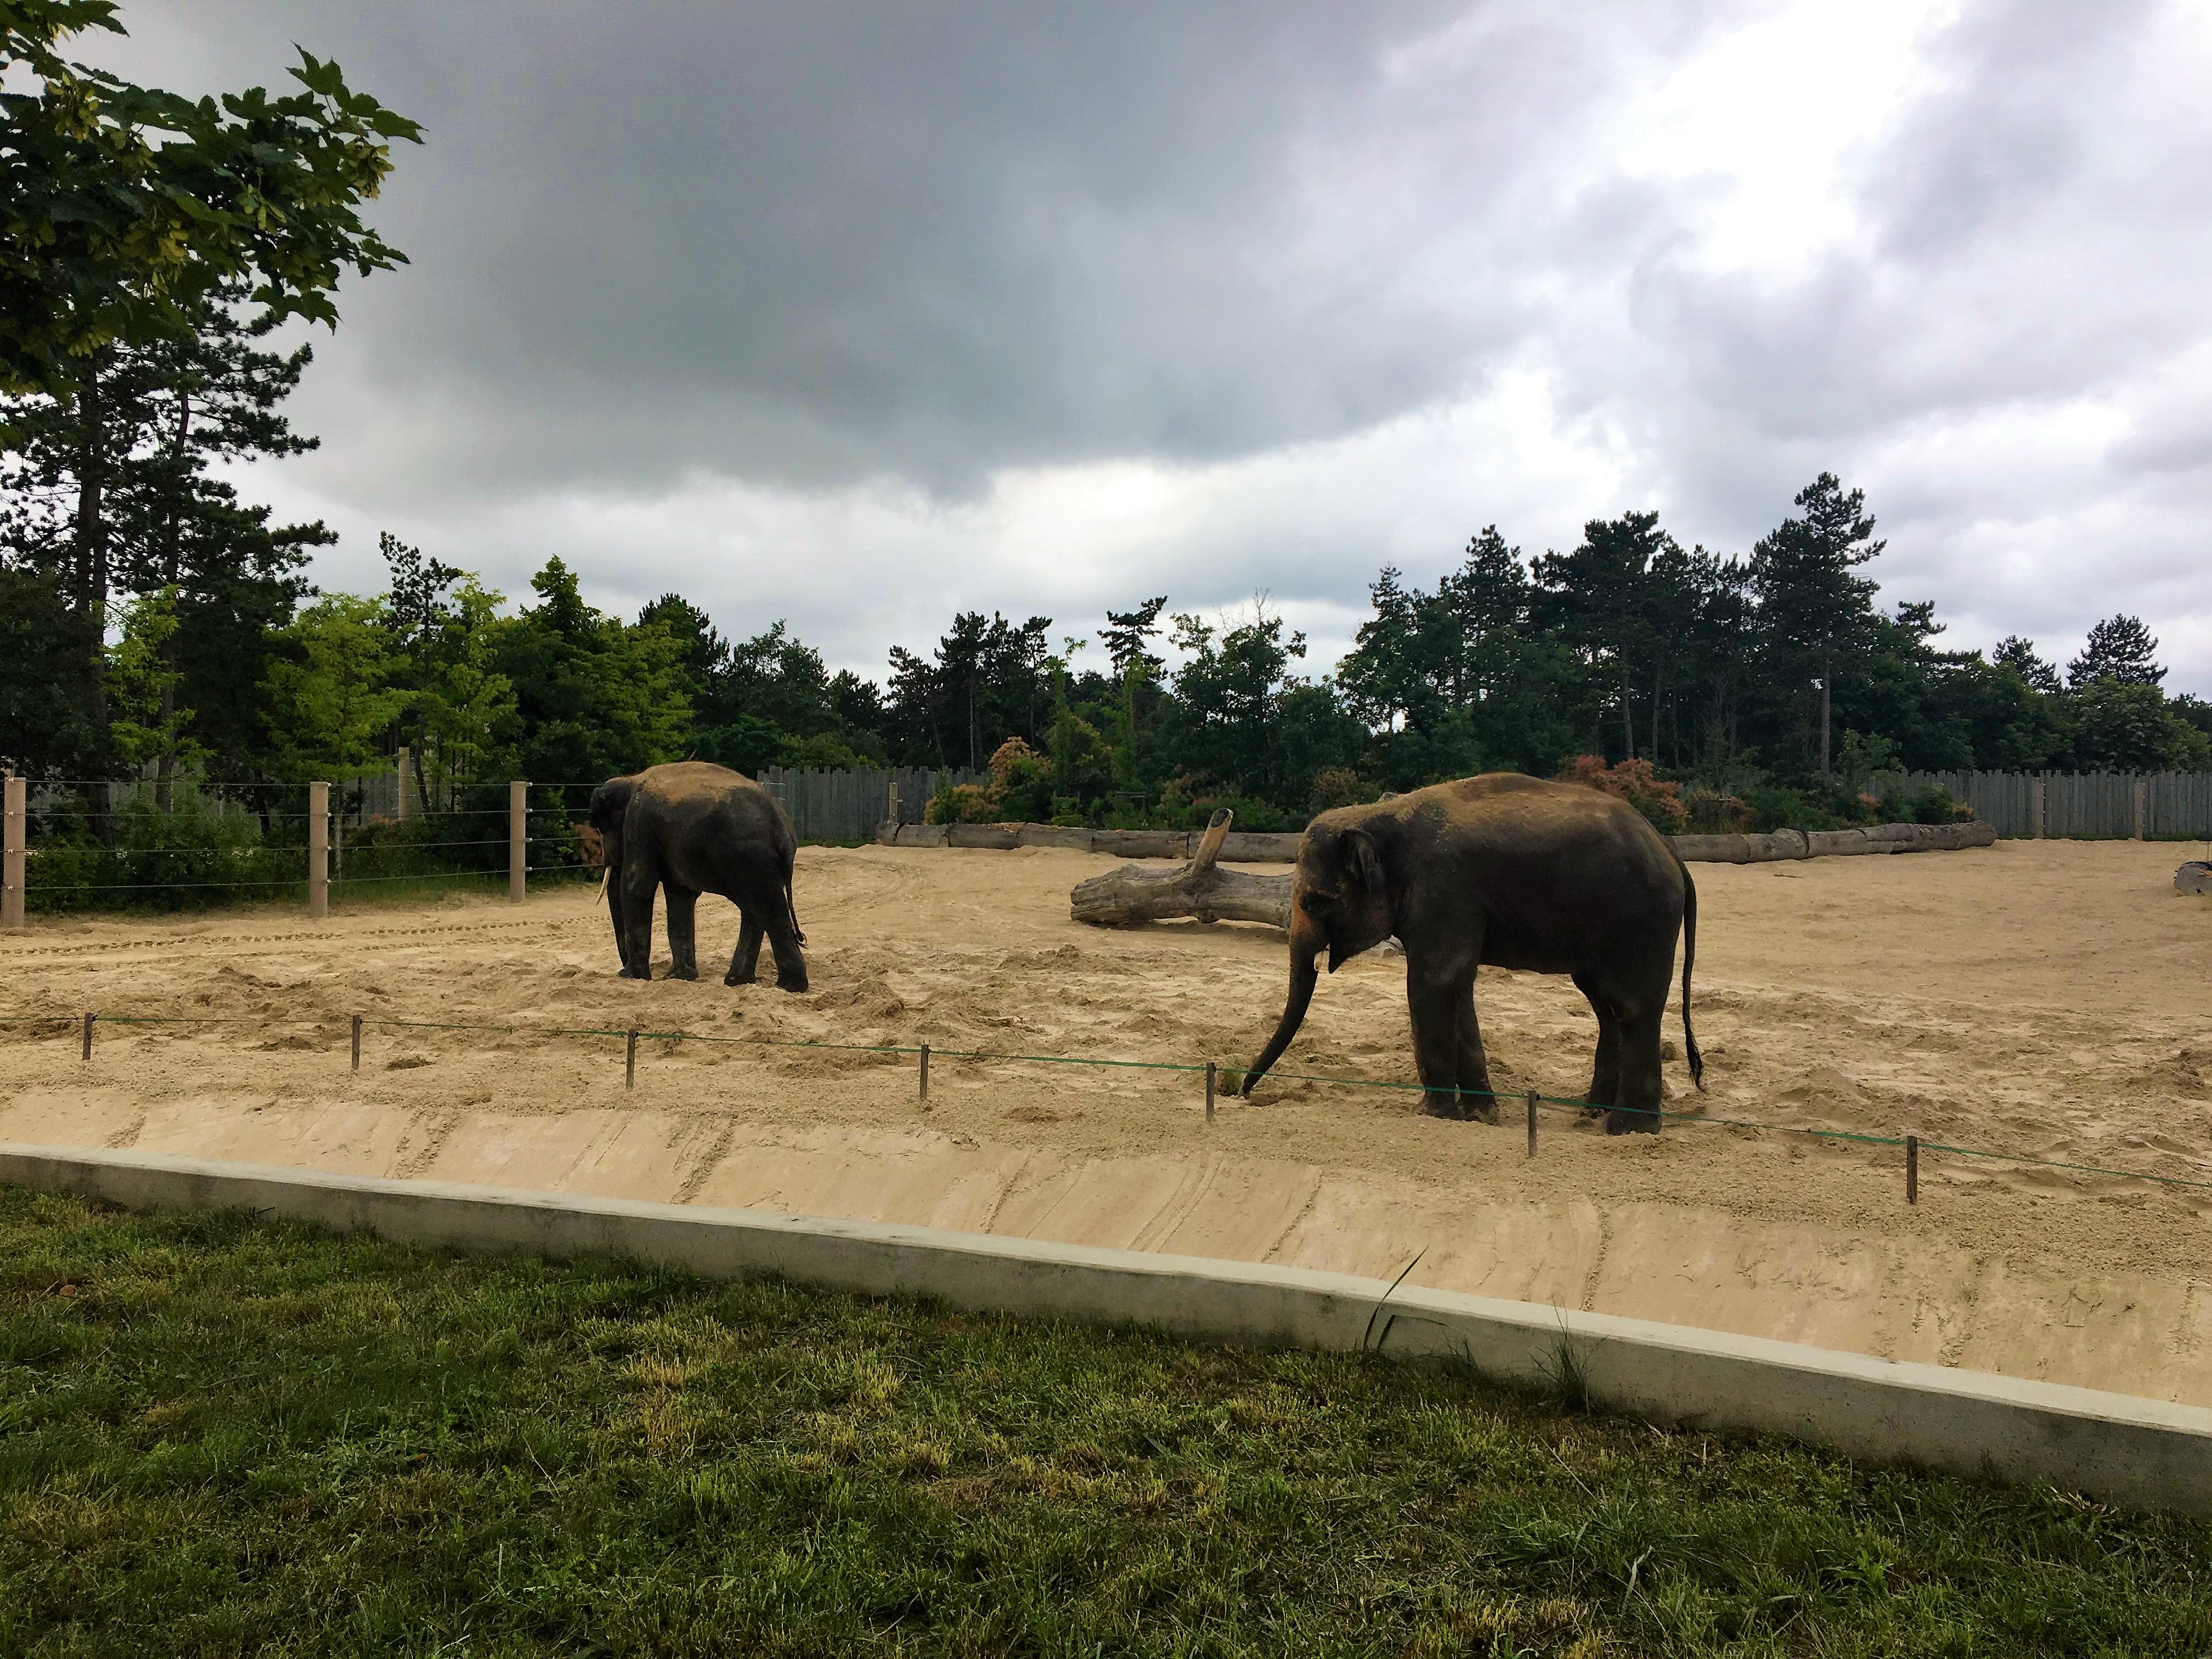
{"points": [[1200, 888]]}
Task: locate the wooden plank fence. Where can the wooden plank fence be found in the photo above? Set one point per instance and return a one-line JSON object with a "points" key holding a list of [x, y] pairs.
{"points": [[2084, 805]]}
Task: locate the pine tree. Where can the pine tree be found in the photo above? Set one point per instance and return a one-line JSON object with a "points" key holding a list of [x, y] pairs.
{"points": [[2118, 648], [2019, 654], [1813, 610]]}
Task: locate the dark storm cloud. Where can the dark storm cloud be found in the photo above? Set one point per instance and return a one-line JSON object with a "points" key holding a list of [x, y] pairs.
{"points": [[817, 242]]}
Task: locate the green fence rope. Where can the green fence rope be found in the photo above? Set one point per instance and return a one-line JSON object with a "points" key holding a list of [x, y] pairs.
{"points": [[1555, 1101]]}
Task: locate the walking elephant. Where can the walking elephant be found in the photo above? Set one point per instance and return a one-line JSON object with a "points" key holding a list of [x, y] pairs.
{"points": [[1514, 872], [692, 828]]}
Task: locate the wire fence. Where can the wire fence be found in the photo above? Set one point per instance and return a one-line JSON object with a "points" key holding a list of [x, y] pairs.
{"points": [[220, 858], [1912, 1146]]}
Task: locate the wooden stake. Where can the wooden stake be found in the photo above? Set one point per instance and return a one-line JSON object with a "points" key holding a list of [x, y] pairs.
{"points": [[1209, 1091], [87, 1037], [356, 1042], [629, 1061], [1532, 1123], [924, 1074], [1913, 1168]]}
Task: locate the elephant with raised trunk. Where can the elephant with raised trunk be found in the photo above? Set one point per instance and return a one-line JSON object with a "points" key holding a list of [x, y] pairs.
{"points": [[1510, 872], [691, 828]]}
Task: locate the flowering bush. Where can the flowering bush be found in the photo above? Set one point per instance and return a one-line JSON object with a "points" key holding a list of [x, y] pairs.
{"points": [[1633, 781]]}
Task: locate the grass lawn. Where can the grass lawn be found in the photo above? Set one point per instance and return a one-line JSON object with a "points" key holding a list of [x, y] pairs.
{"points": [[223, 1436]]}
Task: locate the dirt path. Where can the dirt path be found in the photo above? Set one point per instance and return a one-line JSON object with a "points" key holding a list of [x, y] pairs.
{"points": [[2040, 997]]}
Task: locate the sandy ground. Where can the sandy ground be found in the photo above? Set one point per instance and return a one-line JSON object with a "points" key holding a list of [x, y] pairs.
{"points": [[2049, 999]]}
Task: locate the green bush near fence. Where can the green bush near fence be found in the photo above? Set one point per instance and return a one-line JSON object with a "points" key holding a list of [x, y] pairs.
{"points": [[188, 857], [193, 856]]}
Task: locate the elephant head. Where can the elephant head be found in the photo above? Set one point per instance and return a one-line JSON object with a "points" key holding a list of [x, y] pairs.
{"points": [[610, 803], [1341, 900]]}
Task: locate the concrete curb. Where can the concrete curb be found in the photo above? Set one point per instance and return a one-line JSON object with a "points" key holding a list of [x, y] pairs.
{"points": [[2114, 1447]]}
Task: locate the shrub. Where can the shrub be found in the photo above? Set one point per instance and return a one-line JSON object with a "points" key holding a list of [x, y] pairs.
{"points": [[1773, 807], [1339, 786], [1633, 781], [961, 803], [186, 858], [1707, 812]]}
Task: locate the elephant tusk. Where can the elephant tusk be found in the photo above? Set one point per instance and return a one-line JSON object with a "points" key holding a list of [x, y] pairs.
{"points": [[604, 873]]}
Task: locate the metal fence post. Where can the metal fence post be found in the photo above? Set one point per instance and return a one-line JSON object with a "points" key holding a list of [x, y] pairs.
{"points": [[517, 838], [319, 849], [11, 896]]}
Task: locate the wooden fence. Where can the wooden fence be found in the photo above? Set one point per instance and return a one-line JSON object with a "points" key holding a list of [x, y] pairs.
{"points": [[828, 806], [2084, 805]]}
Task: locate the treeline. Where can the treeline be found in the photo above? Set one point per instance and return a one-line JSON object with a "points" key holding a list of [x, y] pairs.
{"points": [[1771, 675]]}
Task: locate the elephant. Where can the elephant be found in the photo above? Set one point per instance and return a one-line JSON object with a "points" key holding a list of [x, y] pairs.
{"points": [[1514, 872], [695, 828]]}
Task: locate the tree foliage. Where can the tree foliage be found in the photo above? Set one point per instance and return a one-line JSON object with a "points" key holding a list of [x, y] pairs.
{"points": [[125, 208]]}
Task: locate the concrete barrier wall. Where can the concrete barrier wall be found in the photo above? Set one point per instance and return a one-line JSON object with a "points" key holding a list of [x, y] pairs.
{"points": [[2114, 1447], [1248, 847]]}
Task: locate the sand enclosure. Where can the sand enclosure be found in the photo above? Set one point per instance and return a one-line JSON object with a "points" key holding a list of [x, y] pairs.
{"points": [[2045, 998]]}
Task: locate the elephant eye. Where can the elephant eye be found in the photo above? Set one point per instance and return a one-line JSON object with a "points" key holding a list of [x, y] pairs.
{"points": [[1318, 903]]}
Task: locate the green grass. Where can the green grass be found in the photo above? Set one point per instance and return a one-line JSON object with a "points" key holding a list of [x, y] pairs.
{"points": [[222, 1436]]}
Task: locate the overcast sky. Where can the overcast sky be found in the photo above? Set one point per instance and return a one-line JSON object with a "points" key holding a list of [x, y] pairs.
{"points": [[859, 314]]}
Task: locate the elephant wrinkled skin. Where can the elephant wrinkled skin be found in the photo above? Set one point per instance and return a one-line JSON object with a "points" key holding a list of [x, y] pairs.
{"points": [[692, 828], [1514, 872]]}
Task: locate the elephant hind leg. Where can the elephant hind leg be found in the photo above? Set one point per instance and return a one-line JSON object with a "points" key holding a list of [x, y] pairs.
{"points": [[1605, 1071], [744, 961], [1637, 1110], [767, 901]]}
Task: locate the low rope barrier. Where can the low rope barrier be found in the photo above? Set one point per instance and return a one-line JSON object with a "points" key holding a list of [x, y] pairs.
{"points": [[1913, 1145]]}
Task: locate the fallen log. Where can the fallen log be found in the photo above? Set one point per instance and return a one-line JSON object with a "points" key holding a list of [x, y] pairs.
{"points": [[1203, 890], [1200, 888], [2195, 877]]}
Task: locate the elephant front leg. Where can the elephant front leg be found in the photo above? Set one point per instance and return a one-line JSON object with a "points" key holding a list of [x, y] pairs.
{"points": [[1476, 1099], [1436, 1015], [637, 923], [744, 961], [617, 914], [683, 941]]}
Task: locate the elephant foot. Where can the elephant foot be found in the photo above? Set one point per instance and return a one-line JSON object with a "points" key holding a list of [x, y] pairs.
{"points": [[737, 979], [1631, 1123], [626, 973], [1445, 1107], [795, 985], [683, 973], [1482, 1111]]}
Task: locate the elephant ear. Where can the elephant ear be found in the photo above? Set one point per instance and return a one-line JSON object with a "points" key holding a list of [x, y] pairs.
{"points": [[1362, 861], [609, 802]]}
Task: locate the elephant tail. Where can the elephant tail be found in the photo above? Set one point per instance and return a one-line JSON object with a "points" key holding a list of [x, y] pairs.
{"points": [[791, 909], [1689, 956]]}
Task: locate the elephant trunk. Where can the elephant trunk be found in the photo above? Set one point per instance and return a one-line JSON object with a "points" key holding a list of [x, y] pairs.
{"points": [[1304, 974]]}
